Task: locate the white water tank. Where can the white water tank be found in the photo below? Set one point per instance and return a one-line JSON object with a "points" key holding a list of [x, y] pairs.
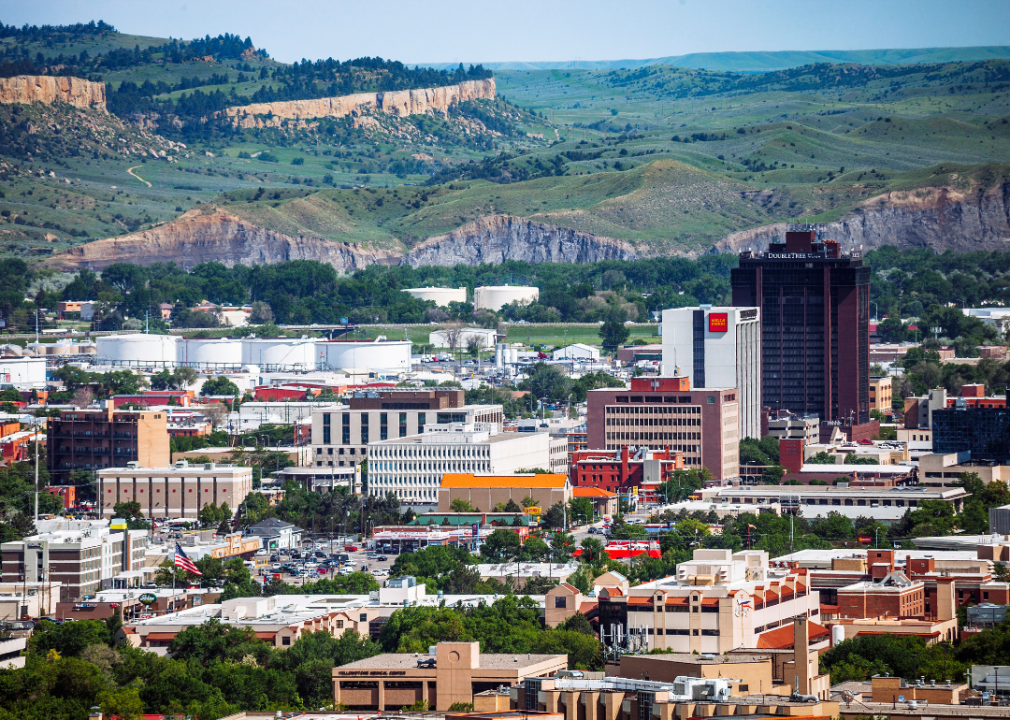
{"points": [[279, 353], [221, 352], [495, 297], [138, 350], [371, 355], [837, 634], [438, 295]]}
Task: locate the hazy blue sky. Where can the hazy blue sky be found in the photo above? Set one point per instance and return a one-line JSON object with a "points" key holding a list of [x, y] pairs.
{"points": [[544, 30]]}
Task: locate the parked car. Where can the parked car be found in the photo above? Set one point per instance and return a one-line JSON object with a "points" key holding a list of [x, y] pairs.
{"points": [[382, 558]]}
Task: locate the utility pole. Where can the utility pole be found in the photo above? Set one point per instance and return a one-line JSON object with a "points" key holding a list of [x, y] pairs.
{"points": [[36, 471]]}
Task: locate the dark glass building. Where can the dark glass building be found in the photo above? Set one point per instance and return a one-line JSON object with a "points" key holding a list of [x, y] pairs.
{"points": [[815, 326], [985, 432]]}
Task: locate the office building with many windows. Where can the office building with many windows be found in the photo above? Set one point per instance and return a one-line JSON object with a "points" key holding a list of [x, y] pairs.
{"points": [[814, 302], [412, 467], [341, 433], [658, 413], [718, 347]]}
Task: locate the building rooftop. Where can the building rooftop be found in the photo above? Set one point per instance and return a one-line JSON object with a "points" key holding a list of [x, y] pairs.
{"points": [[812, 558], [551, 480], [487, 661]]}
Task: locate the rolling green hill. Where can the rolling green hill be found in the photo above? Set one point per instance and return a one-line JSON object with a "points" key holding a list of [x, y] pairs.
{"points": [[669, 159], [769, 61]]}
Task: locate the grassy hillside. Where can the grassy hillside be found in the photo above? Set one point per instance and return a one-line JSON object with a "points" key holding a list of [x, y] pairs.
{"points": [[670, 159], [770, 61]]}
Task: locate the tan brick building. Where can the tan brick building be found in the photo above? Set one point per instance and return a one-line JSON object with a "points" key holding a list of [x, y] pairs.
{"points": [[178, 491], [92, 439], [486, 491], [454, 674]]}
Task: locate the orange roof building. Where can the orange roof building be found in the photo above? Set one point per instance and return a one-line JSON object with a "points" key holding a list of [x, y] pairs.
{"points": [[485, 492]]}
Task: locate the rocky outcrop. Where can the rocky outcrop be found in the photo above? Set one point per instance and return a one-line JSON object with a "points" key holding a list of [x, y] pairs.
{"points": [[497, 238], [398, 102], [216, 235], [202, 236], [49, 89], [942, 218]]}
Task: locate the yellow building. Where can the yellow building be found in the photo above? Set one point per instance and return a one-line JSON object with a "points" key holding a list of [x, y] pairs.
{"points": [[880, 394]]}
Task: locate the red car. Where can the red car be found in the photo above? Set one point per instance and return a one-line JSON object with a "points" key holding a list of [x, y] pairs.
{"points": [[350, 548]]}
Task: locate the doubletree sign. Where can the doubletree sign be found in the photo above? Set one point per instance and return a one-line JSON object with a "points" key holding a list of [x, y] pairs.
{"points": [[148, 598]]}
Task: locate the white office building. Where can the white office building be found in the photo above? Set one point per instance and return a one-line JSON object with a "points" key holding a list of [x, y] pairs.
{"points": [[341, 433], [718, 347], [412, 467]]}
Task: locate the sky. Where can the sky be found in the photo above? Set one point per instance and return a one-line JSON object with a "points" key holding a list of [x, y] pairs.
{"points": [[473, 31]]}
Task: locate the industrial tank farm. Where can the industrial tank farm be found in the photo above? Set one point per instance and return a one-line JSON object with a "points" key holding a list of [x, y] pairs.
{"points": [[270, 354], [495, 297], [207, 353], [389, 355], [139, 350], [438, 295]]}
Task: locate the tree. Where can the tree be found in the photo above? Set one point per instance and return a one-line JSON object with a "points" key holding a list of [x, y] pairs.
{"points": [[460, 505], [613, 331], [220, 386], [501, 546], [124, 703], [580, 510], [261, 313]]}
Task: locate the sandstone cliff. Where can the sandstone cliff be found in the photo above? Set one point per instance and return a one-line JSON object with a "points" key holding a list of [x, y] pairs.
{"points": [[399, 102], [217, 235], [497, 238], [943, 218], [48, 89], [198, 237]]}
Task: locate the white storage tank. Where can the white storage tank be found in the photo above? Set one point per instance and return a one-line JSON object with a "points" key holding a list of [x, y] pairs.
{"points": [[837, 635], [438, 295], [495, 297], [279, 353], [372, 355], [138, 350], [210, 353]]}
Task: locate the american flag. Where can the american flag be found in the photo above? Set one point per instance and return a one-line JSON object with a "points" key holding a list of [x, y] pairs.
{"points": [[182, 561]]}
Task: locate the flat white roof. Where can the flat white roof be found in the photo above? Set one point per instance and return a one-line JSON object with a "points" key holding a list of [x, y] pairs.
{"points": [[900, 556]]}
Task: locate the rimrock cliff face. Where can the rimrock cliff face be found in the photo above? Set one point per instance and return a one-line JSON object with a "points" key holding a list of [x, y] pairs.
{"points": [[48, 89], [943, 218], [497, 238], [216, 236], [398, 102]]}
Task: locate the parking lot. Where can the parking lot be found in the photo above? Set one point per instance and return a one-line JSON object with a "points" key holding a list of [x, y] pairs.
{"points": [[321, 559]]}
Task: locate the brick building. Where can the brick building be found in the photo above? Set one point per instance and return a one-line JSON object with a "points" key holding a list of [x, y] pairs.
{"points": [[622, 471], [893, 595], [92, 439], [177, 491], [85, 556], [659, 413]]}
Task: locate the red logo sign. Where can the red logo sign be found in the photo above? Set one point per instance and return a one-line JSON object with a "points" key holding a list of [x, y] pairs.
{"points": [[718, 322], [865, 539]]}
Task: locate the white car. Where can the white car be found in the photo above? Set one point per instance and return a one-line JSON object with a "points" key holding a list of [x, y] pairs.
{"points": [[351, 562]]}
